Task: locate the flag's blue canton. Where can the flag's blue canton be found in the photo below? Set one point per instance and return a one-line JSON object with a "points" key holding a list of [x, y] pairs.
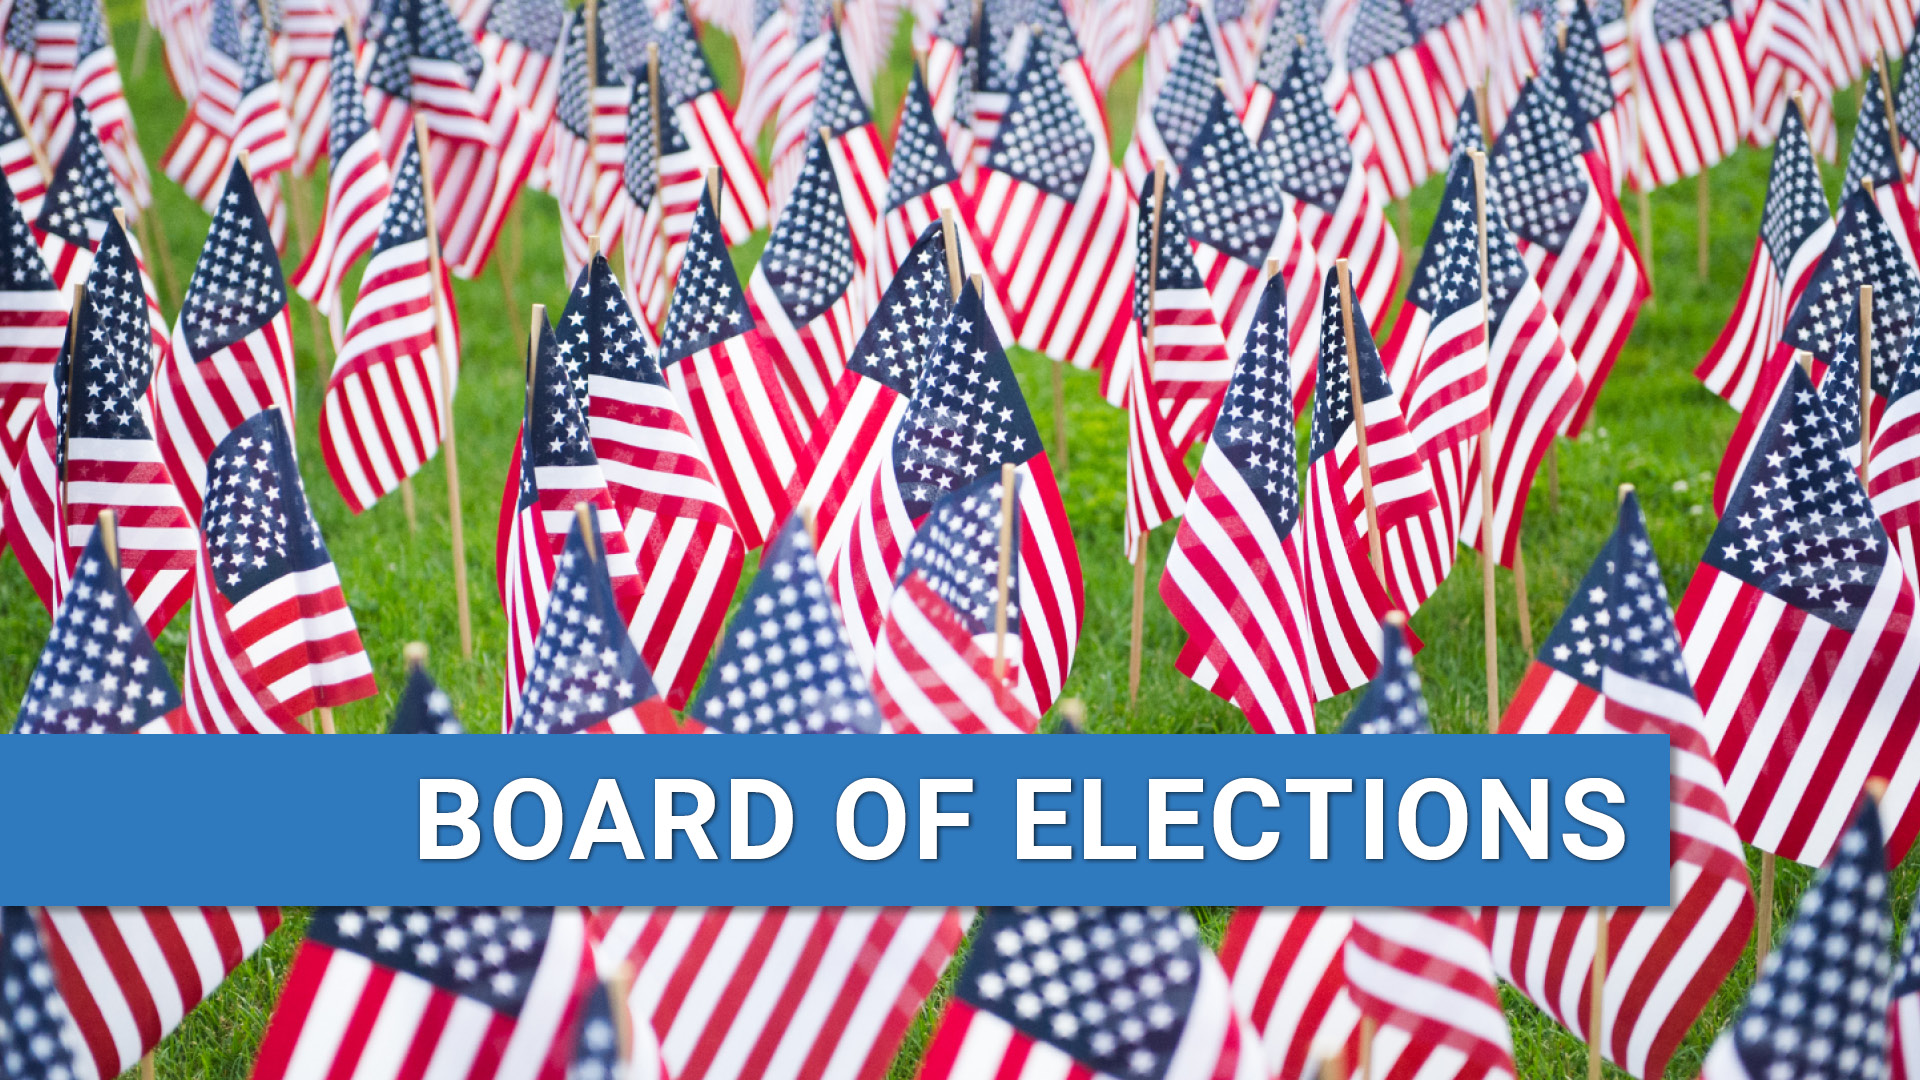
{"points": [[809, 257], [905, 328], [784, 666], [765, 10], [1862, 252], [80, 197], [920, 162], [388, 71], [1584, 78], [1906, 94], [93, 32], [257, 522], [256, 63], [34, 1024], [424, 709], [21, 267], [957, 551], [223, 29], [1333, 405], [571, 110], [1796, 203], [585, 667], [955, 25], [811, 18], [967, 415], [1176, 268], [598, 334], [1447, 278], [1644, 645], [116, 344], [1255, 427], [20, 24], [1674, 19], [684, 74], [346, 113], [625, 28], [439, 36], [1380, 29], [596, 1041], [638, 169], [1109, 986], [837, 104], [1839, 391], [1798, 524], [1303, 140], [1226, 197], [556, 425], [1907, 381], [1052, 35], [994, 39], [487, 954], [237, 288], [1393, 703], [1536, 171], [1466, 132], [1293, 20], [1819, 1007], [1607, 12], [405, 220], [1165, 11], [1507, 270], [533, 23], [1431, 15], [1180, 110], [708, 304], [1872, 156], [11, 128], [1580, 644], [99, 673], [1042, 139]]}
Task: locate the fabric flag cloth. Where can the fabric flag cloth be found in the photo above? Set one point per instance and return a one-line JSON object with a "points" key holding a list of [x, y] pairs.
{"points": [[75, 67], [1285, 970], [1696, 96], [766, 67], [1157, 478], [384, 412], [933, 668], [1235, 580], [589, 141], [814, 36], [661, 193], [1801, 583], [271, 637], [304, 64], [1052, 211], [36, 1032], [817, 992], [358, 181], [553, 473], [1873, 157], [1788, 54], [1893, 474], [1114, 32], [424, 708], [99, 673], [238, 109], [1173, 107], [1293, 20], [1140, 995], [19, 164], [1906, 113], [1613, 665], [521, 39], [967, 417], [804, 295], [485, 992], [78, 204], [686, 547], [1796, 227], [838, 112], [91, 448], [1593, 95], [1239, 220], [33, 320], [1401, 95], [232, 354], [1545, 175], [693, 94], [1818, 1008]]}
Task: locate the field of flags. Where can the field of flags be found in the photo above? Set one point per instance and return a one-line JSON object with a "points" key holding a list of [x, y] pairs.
{"points": [[979, 367]]}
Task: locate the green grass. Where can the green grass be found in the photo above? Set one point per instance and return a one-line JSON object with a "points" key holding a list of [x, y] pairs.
{"points": [[1654, 426]]}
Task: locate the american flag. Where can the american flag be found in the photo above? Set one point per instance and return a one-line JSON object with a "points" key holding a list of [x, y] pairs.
{"points": [[271, 630], [812, 993], [305, 61], [933, 669], [1136, 993], [33, 317], [521, 39], [1114, 32], [77, 207], [728, 386], [481, 144], [1593, 97], [128, 976], [1238, 218], [1612, 665], [589, 141], [1695, 101], [1457, 36], [479, 992], [89, 449], [99, 672], [1849, 51], [1293, 20], [1796, 227], [1787, 52], [1874, 157], [424, 708], [766, 67], [804, 296], [1903, 1010], [1172, 109], [1052, 210], [237, 110], [1285, 968], [1893, 475], [1517, 54], [1347, 593], [358, 181], [36, 1034], [1401, 96], [21, 70], [1236, 577], [232, 353], [1819, 1006], [1545, 174], [19, 164], [384, 412], [691, 91], [661, 194], [686, 548], [1157, 478], [838, 111], [1906, 113], [948, 67], [814, 36], [553, 473], [75, 65], [967, 417], [1800, 582]]}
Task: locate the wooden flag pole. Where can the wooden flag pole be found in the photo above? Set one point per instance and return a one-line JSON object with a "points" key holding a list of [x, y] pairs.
{"points": [[107, 524], [1367, 1028], [1360, 420], [950, 240], [1004, 577], [443, 347], [146, 1066], [1763, 926], [415, 655], [1596, 994], [583, 515], [1137, 627], [1488, 600], [1866, 378]]}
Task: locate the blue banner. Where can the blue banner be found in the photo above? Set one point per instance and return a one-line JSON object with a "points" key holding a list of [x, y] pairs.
{"points": [[925, 820]]}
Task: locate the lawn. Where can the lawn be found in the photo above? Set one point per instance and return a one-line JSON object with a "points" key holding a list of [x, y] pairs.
{"points": [[1654, 427]]}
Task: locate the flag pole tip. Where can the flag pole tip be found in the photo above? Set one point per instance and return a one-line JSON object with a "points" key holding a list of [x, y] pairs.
{"points": [[1877, 787], [415, 655], [1625, 490], [1073, 715], [1396, 619]]}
